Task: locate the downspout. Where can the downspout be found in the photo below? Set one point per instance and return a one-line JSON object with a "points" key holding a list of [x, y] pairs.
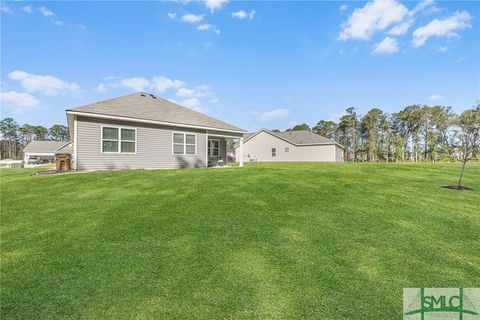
{"points": [[75, 156]]}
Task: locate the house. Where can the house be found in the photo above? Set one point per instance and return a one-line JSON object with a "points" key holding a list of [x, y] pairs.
{"points": [[143, 131], [45, 150], [292, 146]]}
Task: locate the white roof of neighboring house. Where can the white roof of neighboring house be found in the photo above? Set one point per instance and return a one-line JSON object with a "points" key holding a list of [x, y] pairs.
{"points": [[142, 106], [39, 146]]}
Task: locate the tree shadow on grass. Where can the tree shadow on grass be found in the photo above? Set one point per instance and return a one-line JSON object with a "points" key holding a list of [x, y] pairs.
{"points": [[458, 188]]}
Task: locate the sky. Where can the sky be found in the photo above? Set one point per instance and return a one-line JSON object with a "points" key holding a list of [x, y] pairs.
{"points": [[252, 64]]}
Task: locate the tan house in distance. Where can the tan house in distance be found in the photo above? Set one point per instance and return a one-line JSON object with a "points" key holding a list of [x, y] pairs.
{"points": [[293, 146]]}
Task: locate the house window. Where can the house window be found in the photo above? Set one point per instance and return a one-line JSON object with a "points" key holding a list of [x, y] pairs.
{"points": [[127, 140], [184, 143], [213, 148], [274, 152], [118, 140], [287, 149]]}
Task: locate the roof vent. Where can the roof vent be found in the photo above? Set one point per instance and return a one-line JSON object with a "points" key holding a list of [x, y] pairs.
{"points": [[153, 97]]}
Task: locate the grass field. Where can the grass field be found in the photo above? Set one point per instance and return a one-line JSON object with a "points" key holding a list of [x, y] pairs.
{"points": [[286, 241]]}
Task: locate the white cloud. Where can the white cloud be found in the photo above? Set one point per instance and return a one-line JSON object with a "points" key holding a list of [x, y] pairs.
{"points": [[45, 11], [135, 83], [401, 28], [58, 23], [172, 15], [271, 115], [6, 8], [192, 18], [101, 88], [27, 9], [191, 103], [21, 100], [162, 83], [204, 27], [343, 7], [194, 104], [443, 49], [213, 5], [192, 96], [197, 92], [386, 46], [374, 16], [442, 28], [432, 9], [242, 14], [47, 85], [435, 97], [420, 6], [184, 92]]}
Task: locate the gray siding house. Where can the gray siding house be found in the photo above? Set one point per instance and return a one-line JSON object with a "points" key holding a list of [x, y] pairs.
{"points": [[143, 131], [292, 146]]}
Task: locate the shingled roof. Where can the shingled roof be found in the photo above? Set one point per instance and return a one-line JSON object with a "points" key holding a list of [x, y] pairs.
{"points": [[145, 106], [301, 137], [41, 146]]}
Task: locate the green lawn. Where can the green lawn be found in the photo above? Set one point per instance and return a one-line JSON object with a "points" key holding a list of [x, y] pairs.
{"points": [[286, 241]]}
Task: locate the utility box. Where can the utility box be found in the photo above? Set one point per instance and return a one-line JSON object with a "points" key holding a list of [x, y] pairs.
{"points": [[62, 162]]}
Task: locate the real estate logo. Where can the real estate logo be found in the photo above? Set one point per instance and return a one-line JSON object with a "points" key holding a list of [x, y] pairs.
{"points": [[441, 303]]}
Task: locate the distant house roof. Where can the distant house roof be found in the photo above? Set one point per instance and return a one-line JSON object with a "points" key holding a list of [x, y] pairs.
{"points": [[148, 107], [303, 137], [68, 148], [300, 138], [39, 146]]}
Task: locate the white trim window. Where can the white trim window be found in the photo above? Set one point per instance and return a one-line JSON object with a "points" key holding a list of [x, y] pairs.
{"points": [[119, 140], [274, 152], [184, 143], [213, 147], [287, 149]]}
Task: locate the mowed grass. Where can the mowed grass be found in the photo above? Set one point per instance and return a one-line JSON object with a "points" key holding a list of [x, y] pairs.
{"points": [[268, 241]]}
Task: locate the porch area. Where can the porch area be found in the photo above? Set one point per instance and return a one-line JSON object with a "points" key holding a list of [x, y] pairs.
{"points": [[220, 149]]}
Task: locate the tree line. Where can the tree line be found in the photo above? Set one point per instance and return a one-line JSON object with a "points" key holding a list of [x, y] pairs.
{"points": [[416, 133], [15, 137]]}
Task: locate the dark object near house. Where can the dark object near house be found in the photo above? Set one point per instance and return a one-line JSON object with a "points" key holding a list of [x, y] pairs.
{"points": [[62, 162], [34, 160]]}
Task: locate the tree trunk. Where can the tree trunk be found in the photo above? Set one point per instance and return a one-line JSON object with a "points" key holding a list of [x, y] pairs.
{"points": [[461, 173]]}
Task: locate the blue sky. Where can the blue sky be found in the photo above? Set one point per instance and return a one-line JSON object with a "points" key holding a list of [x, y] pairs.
{"points": [[252, 64]]}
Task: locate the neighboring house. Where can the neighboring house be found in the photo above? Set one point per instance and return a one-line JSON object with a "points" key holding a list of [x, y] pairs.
{"points": [[292, 146], [143, 131], [45, 150]]}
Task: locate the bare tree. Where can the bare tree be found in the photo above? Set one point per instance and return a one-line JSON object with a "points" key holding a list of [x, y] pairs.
{"points": [[469, 123]]}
